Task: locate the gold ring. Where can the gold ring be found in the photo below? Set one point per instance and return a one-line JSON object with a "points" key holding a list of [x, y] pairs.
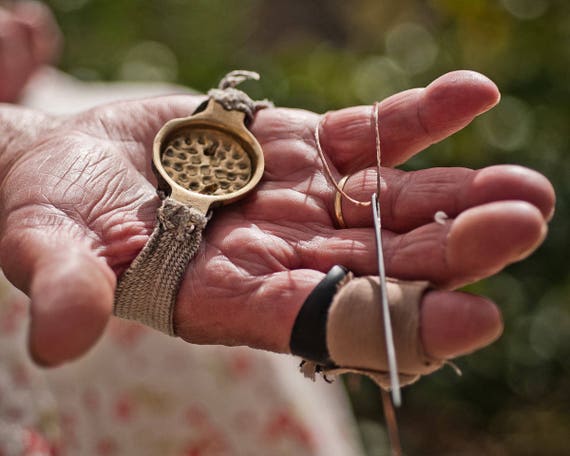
{"points": [[340, 223]]}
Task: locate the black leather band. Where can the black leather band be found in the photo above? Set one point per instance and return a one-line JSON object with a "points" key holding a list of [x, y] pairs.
{"points": [[309, 335]]}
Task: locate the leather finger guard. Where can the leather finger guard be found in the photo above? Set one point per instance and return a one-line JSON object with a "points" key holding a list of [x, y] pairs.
{"points": [[309, 335], [354, 335]]}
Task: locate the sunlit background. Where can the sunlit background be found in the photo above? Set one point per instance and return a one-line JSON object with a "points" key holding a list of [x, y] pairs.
{"points": [[513, 398]]}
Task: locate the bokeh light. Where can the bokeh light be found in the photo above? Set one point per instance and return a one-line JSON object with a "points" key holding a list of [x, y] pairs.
{"points": [[149, 61], [509, 125], [376, 78], [412, 46], [525, 9]]}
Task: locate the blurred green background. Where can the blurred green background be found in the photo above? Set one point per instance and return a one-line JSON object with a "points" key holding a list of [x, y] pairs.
{"points": [[514, 397]]}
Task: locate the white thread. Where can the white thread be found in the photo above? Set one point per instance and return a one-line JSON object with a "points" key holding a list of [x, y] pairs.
{"points": [[440, 217]]}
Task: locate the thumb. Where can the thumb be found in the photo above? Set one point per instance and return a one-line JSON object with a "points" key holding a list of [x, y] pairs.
{"points": [[71, 293]]}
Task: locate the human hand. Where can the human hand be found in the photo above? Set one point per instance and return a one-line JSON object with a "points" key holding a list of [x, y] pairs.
{"points": [[29, 39], [78, 203]]}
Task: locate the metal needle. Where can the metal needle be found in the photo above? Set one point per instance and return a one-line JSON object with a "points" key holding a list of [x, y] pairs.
{"points": [[391, 351]]}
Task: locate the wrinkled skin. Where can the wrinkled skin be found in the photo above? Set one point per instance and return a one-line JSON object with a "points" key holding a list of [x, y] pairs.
{"points": [[78, 202]]}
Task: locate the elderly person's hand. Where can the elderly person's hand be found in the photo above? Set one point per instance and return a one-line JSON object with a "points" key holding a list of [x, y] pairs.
{"points": [[78, 203], [29, 39]]}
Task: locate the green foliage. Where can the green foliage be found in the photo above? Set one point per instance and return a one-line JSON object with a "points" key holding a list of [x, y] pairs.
{"points": [[513, 397]]}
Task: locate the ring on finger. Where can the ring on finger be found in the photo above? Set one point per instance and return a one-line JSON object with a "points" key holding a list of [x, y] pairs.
{"points": [[338, 216]]}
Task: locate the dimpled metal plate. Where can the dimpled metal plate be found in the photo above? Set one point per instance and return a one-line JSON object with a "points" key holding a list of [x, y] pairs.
{"points": [[206, 161]]}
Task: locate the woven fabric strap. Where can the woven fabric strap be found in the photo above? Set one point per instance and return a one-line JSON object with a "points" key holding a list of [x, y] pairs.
{"points": [[147, 291]]}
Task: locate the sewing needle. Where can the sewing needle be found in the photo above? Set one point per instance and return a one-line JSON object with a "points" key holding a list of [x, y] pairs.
{"points": [[391, 352]]}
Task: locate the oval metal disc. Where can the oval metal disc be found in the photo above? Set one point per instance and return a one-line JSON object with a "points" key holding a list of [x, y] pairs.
{"points": [[210, 158]]}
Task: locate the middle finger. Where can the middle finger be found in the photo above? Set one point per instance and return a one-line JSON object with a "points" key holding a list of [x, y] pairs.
{"points": [[409, 200]]}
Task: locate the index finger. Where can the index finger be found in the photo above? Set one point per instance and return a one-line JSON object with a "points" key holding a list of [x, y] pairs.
{"points": [[409, 121]]}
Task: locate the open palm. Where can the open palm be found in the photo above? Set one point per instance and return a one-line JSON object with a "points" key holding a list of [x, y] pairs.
{"points": [[78, 203]]}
